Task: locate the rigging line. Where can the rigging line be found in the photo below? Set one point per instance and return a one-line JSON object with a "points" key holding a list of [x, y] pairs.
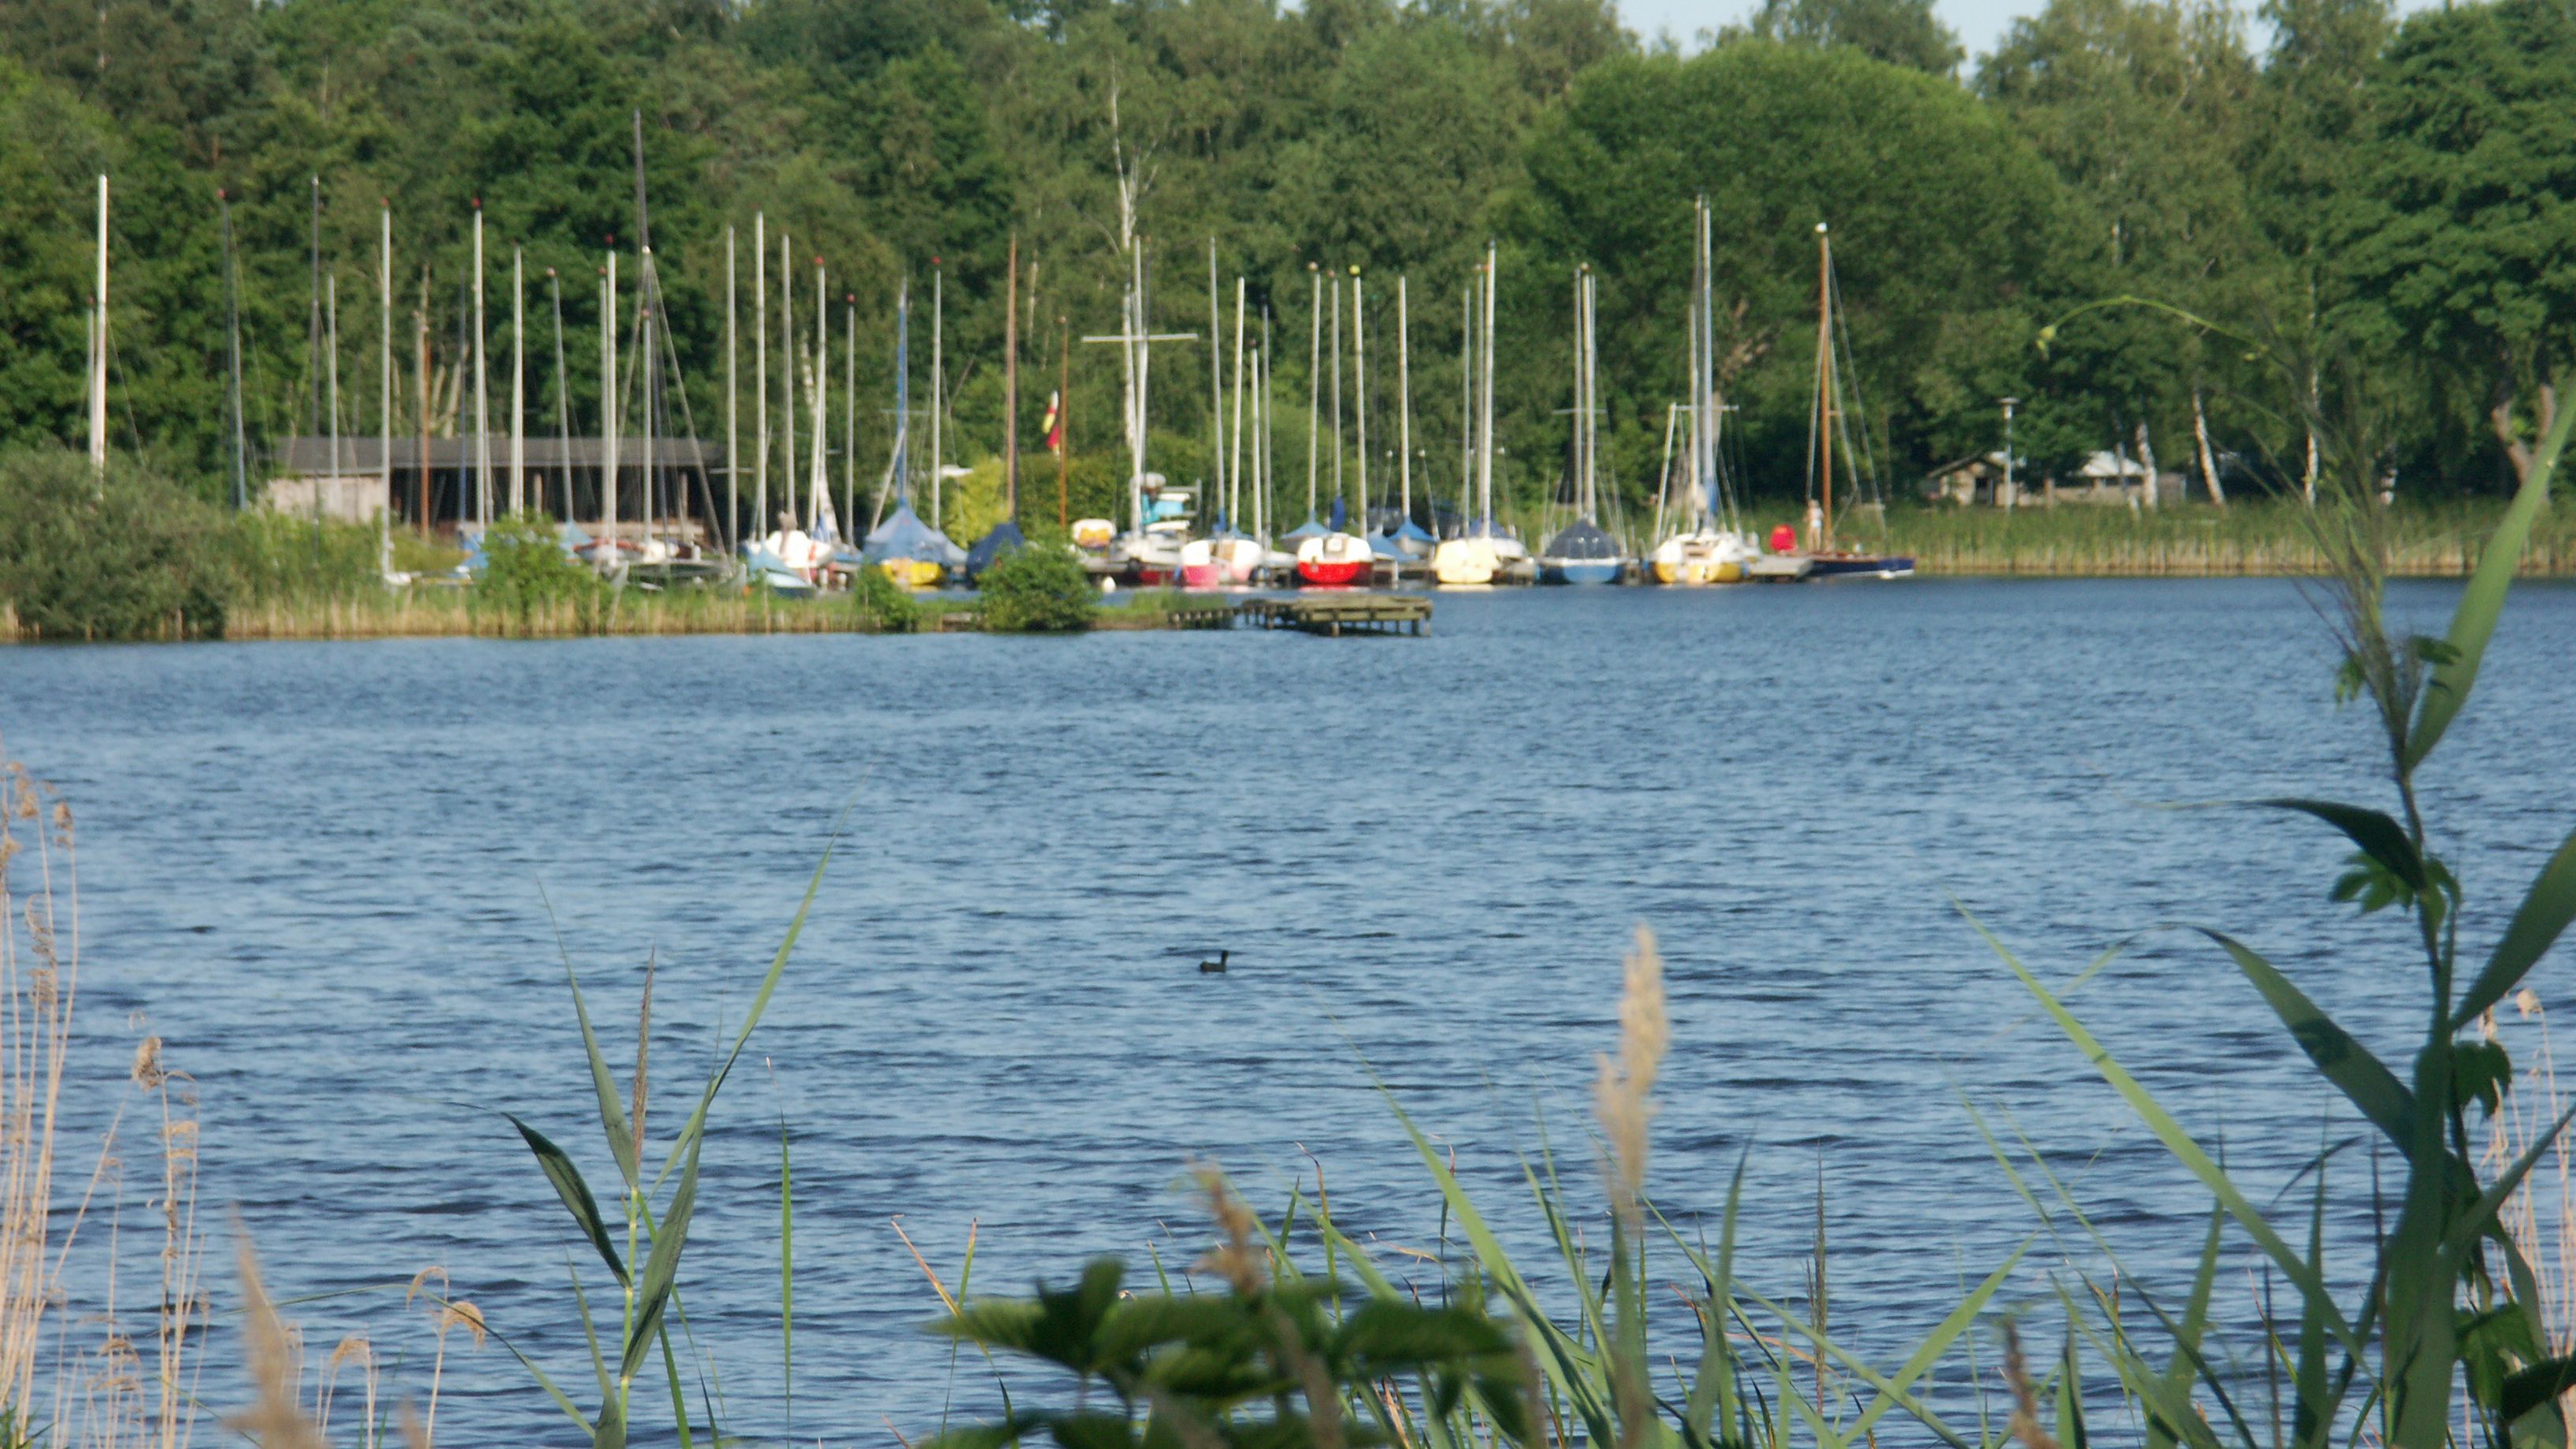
{"points": [[1863, 457], [688, 412]]}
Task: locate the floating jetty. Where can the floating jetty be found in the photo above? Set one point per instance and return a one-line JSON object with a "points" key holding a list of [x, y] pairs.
{"points": [[1331, 614]]}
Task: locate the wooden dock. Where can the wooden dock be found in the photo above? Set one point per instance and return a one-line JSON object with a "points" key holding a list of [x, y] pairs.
{"points": [[1331, 614]]}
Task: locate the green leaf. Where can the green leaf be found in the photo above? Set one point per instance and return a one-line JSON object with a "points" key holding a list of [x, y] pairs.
{"points": [[611, 1433], [2473, 623], [687, 1142], [661, 1269], [612, 1114], [2348, 1064], [2380, 837], [2537, 1385], [2186, 1151], [575, 1192], [2537, 923]]}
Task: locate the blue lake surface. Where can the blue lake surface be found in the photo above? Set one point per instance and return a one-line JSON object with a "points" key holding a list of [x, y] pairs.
{"points": [[323, 873]]}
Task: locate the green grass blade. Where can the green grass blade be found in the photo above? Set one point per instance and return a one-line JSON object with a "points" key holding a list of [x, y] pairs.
{"points": [[575, 1192], [787, 1274], [2179, 1143], [2473, 623], [2379, 836], [1713, 1382], [661, 1269], [686, 1143], [679, 1400], [2537, 923], [2185, 1368], [2349, 1065], [1890, 1389], [612, 1113]]}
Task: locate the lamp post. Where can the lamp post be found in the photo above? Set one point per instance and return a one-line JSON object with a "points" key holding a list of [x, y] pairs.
{"points": [[2009, 495]]}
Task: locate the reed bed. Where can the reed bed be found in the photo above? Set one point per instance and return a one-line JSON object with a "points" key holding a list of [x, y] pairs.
{"points": [[452, 613]]}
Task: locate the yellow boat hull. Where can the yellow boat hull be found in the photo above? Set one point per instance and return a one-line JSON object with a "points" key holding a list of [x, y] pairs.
{"points": [[1691, 572], [913, 573]]}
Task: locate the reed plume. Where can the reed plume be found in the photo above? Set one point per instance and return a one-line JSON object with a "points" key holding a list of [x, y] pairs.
{"points": [[275, 1358], [1623, 1093]]}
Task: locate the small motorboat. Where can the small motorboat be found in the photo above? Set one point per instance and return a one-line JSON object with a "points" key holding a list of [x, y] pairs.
{"points": [[1333, 560], [1707, 556], [1465, 562], [1581, 554]]}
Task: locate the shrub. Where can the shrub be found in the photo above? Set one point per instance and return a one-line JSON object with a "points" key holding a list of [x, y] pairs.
{"points": [[525, 569], [123, 555], [281, 556], [882, 604], [1036, 590]]}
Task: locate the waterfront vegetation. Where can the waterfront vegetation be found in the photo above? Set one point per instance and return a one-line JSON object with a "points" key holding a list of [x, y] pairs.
{"points": [[2323, 182], [2449, 1325]]}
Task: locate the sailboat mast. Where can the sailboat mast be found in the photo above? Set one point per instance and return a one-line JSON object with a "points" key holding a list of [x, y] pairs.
{"points": [[1314, 385], [1825, 376], [1466, 402], [733, 400], [821, 483], [1574, 460], [1339, 497], [98, 346], [1262, 409], [608, 424], [1011, 384], [1485, 409], [563, 395], [1359, 392], [334, 335], [518, 379], [760, 520], [902, 390], [384, 382], [1216, 387], [232, 331], [1697, 392], [787, 374], [850, 413], [482, 396], [1404, 400], [646, 382], [938, 383], [1234, 460]]}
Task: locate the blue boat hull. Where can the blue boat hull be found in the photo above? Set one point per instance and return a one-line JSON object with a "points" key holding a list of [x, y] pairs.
{"points": [[1587, 571], [1829, 566]]}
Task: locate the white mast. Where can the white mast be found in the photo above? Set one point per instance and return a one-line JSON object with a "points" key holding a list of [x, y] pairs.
{"points": [[1485, 412], [608, 425], [646, 373], [1359, 390], [1467, 402], [760, 522], [385, 385], [733, 400], [938, 388], [1339, 496], [334, 316], [1234, 461], [482, 398], [518, 379], [563, 395], [787, 368], [1216, 386], [850, 415], [821, 483], [1404, 399], [1314, 386], [98, 345]]}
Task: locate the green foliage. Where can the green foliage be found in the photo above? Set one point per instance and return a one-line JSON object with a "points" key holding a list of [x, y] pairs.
{"points": [[277, 557], [1266, 1363], [883, 606], [1036, 590], [1899, 32], [119, 555], [526, 570]]}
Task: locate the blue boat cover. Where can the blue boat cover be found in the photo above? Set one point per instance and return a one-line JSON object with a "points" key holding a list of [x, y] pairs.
{"points": [[905, 535], [1413, 532], [1306, 530], [1581, 541], [1384, 547], [1005, 538]]}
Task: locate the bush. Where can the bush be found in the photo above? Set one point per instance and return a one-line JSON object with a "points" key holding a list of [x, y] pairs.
{"points": [[882, 604], [285, 557], [525, 568], [124, 555], [1036, 590]]}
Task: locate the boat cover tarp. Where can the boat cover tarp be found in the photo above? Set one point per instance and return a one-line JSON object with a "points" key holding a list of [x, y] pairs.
{"points": [[1005, 538], [1413, 532], [1308, 529], [905, 535], [1582, 541], [1385, 547]]}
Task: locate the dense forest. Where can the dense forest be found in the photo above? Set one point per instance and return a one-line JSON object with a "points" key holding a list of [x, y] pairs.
{"points": [[2313, 206]]}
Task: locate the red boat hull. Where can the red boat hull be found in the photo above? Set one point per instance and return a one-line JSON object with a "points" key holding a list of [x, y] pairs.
{"points": [[1326, 574]]}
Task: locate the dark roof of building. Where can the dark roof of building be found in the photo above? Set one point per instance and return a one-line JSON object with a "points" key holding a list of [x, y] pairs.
{"points": [[305, 457]]}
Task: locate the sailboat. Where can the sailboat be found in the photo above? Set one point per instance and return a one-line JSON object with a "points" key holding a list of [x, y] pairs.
{"points": [[1328, 556], [1484, 550], [1702, 552], [1582, 553], [1823, 557], [909, 550]]}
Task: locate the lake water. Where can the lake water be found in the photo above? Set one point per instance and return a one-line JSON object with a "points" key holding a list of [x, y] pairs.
{"points": [[323, 871]]}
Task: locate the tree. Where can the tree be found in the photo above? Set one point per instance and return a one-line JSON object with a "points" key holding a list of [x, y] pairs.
{"points": [[1900, 32], [2460, 240]]}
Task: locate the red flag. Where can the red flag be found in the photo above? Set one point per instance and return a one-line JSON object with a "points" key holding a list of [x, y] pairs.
{"points": [[1054, 424]]}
